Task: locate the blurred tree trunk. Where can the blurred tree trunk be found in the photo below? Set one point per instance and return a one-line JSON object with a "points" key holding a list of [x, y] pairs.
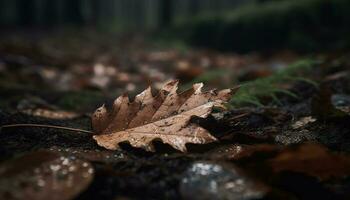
{"points": [[51, 13], [109, 12], [139, 14], [2, 10], [73, 12], [26, 12], [194, 7], [95, 12], [165, 13]]}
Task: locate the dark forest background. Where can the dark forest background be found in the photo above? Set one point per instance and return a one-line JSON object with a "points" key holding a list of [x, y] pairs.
{"points": [[126, 14], [230, 25]]}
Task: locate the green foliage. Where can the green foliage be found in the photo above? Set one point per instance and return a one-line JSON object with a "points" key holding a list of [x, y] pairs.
{"points": [[303, 25], [251, 92]]}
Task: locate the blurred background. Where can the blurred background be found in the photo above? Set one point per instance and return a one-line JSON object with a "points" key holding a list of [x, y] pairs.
{"points": [[110, 14], [62, 59], [77, 51]]}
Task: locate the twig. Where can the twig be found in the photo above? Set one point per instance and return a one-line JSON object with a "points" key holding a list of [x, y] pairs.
{"points": [[45, 126], [240, 116]]}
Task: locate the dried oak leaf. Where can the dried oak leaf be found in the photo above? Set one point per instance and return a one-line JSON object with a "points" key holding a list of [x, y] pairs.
{"points": [[165, 117], [312, 159]]}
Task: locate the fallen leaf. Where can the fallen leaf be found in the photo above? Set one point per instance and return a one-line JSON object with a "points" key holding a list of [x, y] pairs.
{"points": [[165, 116], [312, 159], [303, 122], [44, 175]]}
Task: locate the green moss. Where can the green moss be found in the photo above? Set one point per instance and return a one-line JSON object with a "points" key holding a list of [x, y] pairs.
{"points": [[252, 92]]}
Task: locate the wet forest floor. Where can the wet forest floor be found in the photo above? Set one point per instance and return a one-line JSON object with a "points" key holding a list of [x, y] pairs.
{"points": [[282, 139]]}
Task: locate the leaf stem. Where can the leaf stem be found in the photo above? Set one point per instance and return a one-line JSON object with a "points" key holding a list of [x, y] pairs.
{"points": [[45, 126]]}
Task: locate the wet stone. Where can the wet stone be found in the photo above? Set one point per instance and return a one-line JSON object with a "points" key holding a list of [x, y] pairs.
{"points": [[207, 180], [340, 100]]}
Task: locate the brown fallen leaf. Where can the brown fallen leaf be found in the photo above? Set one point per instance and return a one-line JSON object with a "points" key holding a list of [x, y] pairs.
{"points": [[44, 175], [302, 122], [312, 159], [165, 116]]}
